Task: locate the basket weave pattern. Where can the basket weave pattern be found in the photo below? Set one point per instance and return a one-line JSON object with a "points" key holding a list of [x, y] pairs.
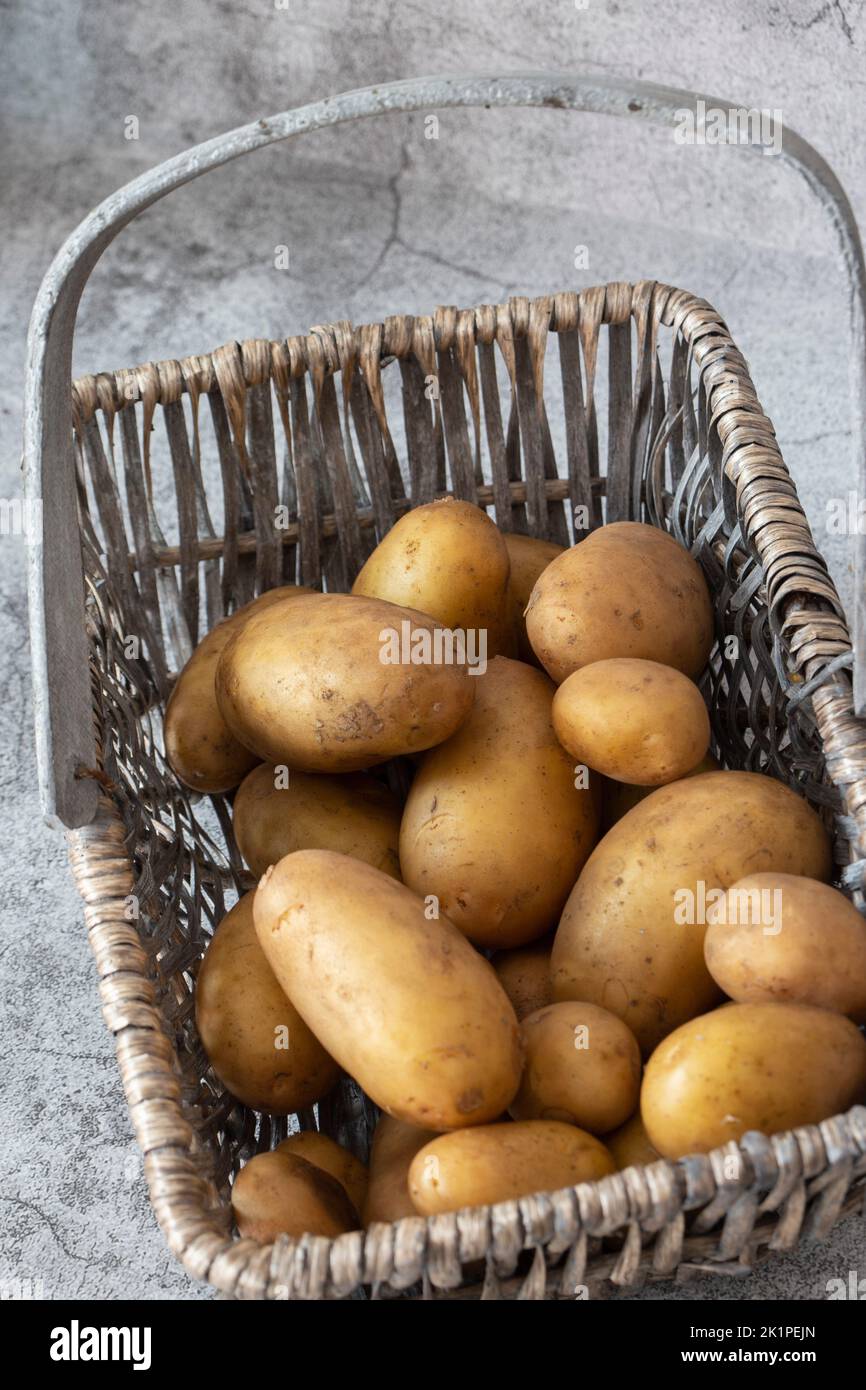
{"points": [[303, 425]]}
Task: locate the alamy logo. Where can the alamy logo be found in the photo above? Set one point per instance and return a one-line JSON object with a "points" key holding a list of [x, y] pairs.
{"points": [[738, 125], [77, 1343], [443, 646], [742, 907]]}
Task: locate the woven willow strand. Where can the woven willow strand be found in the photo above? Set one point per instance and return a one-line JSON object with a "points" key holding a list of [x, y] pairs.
{"points": [[304, 423]]}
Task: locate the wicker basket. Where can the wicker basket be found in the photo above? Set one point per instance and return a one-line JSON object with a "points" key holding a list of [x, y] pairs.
{"points": [[345, 429]]}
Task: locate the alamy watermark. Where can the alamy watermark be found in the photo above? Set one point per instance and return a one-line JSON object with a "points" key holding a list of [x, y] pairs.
{"points": [[738, 125], [441, 646], [703, 906]]}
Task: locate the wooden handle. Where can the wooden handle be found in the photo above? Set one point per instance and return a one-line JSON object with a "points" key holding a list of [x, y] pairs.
{"points": [[59, 647]]}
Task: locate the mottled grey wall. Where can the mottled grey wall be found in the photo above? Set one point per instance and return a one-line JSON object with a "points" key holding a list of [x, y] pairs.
{"points": [[377, 219]]}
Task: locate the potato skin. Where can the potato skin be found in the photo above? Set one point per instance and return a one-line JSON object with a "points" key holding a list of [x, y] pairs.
{"points": [[395, 1144], [620, 943], [524, 974], [630, 1145], [353, 814], [447, 559], [280, 1193], [239, 1005], [628, 589], [766, 1067], [529, 558], [818, 956], [633, 720], [304, 686], [200, 747], [496, 1163], [619, 797], [332, 1158], [493, 824], [417, 1017], [596, 1085]]}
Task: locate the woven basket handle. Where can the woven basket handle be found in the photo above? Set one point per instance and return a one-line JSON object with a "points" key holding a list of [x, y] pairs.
{"points": [[61, 676]]}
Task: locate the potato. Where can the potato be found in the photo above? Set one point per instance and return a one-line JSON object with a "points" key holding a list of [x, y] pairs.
{"points": [[414, 1014], [524, 974], [450, 560], [255, 1039], [201, 749], [630, 1145], [395, 1144], [494, 826], [279, 1193], [310, 686], [529, 558], [626, 590], [582, 1067], [635, 721], [779, 938], [619, 797], [353, 814], [766, 1067], [495, 1163], [324, 1153], [257, 1043], [625, 940]]}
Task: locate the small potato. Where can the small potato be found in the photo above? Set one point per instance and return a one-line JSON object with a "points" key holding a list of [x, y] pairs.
{"points": [[200, 747], [635, 721], [524, 974], [280, 1193], [447, 559], [257, 1043], [619, 797], [495, 826], [627, 589], [782, 938], [766, 1067], [401, 999], [353, 814], [529, 558], [324, 1153], [630, 1144], [582, 1067], [496, 1163], [330, 684], [395, 1144]]}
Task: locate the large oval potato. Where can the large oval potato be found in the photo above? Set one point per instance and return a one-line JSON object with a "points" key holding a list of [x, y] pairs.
{"points": [[353, 814], [582, 1067], [416, 1016], [524, 974], [529, 558], [619, 797], [495, 1163], [394, 1146], [280, 1193], [312, 685], [782, 938], [635, 721], [200, 747], [627, 589], [448, 559], [325, 1153], [625, 940], [494, 826], [766, 1067], [257, 1043]]}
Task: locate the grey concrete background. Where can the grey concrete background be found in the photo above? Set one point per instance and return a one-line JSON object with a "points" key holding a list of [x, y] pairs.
{"points": [[377, 219]]}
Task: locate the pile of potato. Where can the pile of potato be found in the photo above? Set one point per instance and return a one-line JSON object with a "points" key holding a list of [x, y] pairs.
{"points": [[525, 962]]}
